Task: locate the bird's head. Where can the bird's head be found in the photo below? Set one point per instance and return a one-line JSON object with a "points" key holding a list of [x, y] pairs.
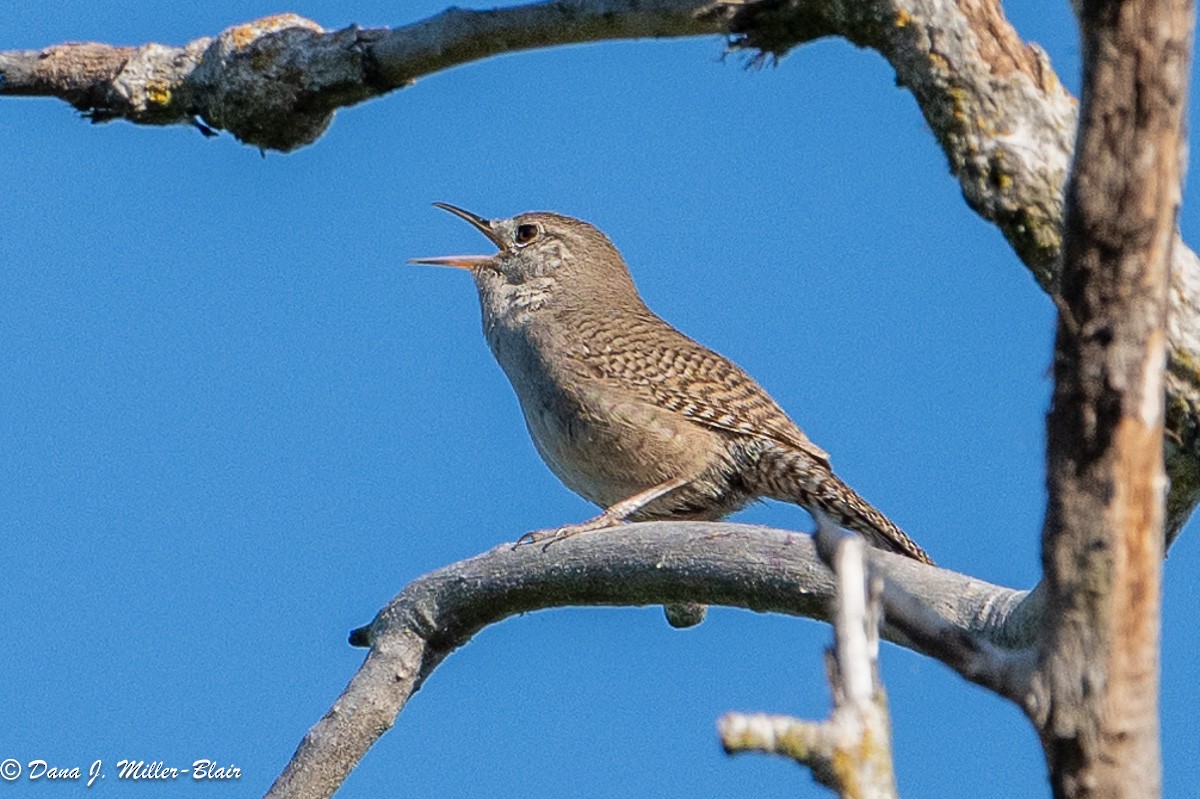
{"points": [[558, 260]]}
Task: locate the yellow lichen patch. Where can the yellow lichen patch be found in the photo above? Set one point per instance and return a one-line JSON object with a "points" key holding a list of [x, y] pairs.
{"points": [[999, 174], [158, 93], [842, 764], [245, 34], [939, 62], [959, 100], [903, 18]]}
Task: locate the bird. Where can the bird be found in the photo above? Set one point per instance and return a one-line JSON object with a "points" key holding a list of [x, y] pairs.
{"points": [[626, 410]]}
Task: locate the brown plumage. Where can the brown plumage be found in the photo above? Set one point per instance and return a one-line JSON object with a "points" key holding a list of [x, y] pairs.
{"points": [[628, 412]]}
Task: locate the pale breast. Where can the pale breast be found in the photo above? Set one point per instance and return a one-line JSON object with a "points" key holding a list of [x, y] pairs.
{"points": [[606, 447], [606, 437]]}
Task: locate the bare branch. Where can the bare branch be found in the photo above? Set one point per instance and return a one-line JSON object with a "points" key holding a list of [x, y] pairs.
{"points": [[807, 742], [275, 82], [851, 752], [994, 102], [643, 564], [458, 36]]}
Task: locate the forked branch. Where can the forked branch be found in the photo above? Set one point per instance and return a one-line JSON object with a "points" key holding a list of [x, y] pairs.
{"points": [[851, 751]]}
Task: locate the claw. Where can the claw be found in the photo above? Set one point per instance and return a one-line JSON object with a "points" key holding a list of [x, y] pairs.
{"points": [[553, 535], [529, 538]]}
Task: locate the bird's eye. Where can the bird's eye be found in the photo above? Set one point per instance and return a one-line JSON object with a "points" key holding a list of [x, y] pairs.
{"points": [[525, 234]]}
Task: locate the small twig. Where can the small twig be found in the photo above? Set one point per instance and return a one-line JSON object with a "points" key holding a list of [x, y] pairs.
{"points": [[851, 752], [805, 742]]}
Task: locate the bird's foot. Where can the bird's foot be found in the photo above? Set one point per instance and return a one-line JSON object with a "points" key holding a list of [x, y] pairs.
{"points": [[555, 534]]}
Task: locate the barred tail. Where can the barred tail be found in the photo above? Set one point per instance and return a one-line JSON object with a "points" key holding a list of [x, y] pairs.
{"points": [[795, 476]]}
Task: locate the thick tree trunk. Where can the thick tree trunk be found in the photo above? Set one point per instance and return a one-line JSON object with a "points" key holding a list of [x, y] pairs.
{"points": [[1097, 702]]}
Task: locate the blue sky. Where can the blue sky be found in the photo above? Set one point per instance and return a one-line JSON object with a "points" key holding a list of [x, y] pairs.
{"points": [[236, 423]]}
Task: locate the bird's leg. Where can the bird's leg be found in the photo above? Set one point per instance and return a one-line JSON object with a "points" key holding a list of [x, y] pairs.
{"points": [[611, 517]]}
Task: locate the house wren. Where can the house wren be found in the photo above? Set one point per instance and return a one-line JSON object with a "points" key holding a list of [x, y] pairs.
{"points": [[630, 413]]}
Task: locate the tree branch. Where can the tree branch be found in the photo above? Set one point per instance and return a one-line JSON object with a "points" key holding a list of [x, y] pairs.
{"points": [[276, 82], [643, 564], [851, 751]]}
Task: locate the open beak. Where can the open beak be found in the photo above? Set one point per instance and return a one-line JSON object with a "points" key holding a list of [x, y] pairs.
{"points": [[484, 226], [458, 261]]}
